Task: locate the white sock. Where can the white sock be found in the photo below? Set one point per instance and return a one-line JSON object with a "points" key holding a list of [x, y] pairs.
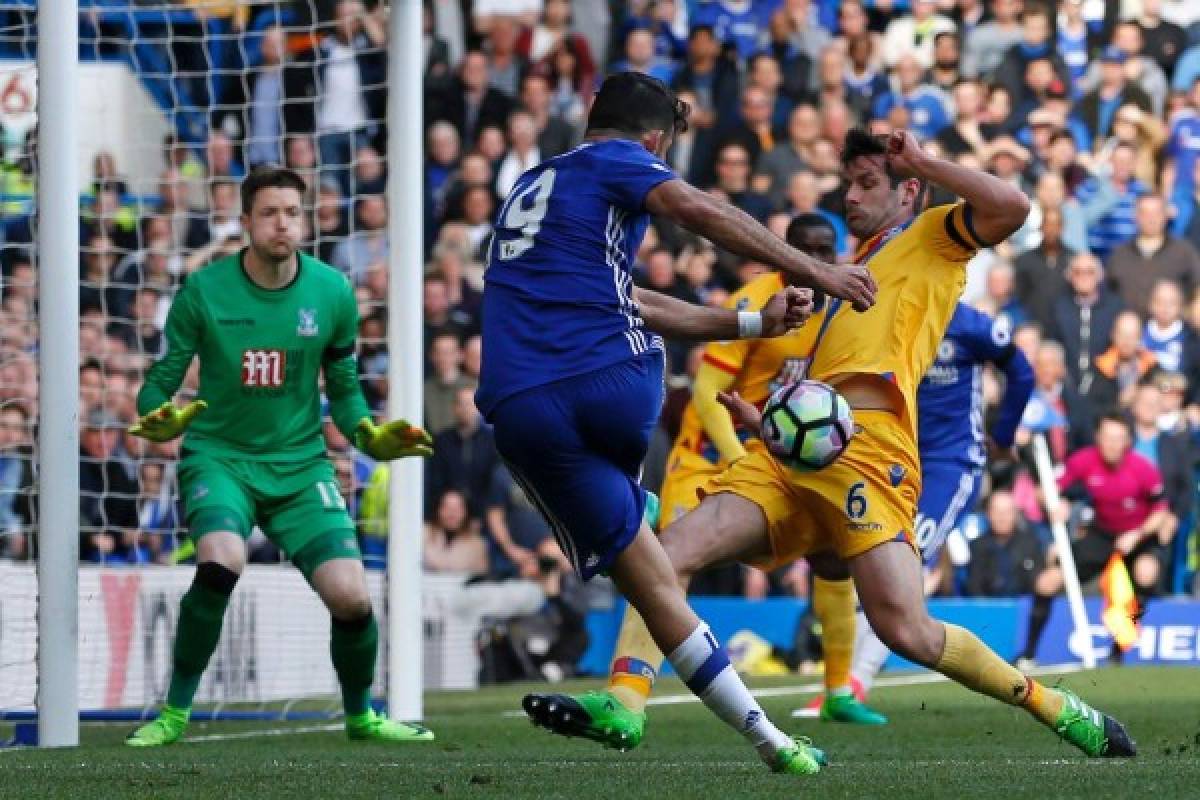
{"points": [[704, 666], [869, 653]]}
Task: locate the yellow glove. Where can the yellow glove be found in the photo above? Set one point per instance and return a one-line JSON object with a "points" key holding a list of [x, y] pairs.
{"points": [[395, 439], [166, 422]]}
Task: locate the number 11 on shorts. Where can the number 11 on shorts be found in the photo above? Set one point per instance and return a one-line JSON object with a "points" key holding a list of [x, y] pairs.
{"points": [[330, 496]]}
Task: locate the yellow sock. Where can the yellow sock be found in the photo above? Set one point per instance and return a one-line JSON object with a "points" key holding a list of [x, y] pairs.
{"points": [[636, 663], [833, 603], [970, 662]]}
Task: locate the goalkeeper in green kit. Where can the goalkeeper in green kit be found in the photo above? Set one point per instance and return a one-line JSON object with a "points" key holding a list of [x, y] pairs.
{"points": [[265, 323]]}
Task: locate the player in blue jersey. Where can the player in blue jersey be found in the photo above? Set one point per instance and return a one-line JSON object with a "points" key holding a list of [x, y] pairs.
{"points": [[572, 375], [954, 447]]}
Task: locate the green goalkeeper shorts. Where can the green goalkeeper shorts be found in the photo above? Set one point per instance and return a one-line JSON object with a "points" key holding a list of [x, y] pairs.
{"points": [[298, 505]]}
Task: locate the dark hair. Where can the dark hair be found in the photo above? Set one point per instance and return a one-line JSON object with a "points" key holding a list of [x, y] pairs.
{"points": [[635, 103], [861, 143], [804, 222], [1115, 416], [269, 178], [699, 29]]}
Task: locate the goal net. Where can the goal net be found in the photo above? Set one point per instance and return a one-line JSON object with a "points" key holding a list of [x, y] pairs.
{"points": [[176, 102]]}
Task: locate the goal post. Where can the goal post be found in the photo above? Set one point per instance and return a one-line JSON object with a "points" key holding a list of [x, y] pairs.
{"points": [[405, 232], [58, 434]]}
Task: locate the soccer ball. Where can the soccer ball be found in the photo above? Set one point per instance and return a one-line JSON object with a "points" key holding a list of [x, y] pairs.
{"points": [[807, 425]]}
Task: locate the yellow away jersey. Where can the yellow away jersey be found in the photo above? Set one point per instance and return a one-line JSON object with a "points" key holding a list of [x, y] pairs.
{"points": [[920, 273], [760, 365]]}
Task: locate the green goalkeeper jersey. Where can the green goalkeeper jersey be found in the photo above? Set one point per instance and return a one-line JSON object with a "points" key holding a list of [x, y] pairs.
{"points": [[261, 352]]}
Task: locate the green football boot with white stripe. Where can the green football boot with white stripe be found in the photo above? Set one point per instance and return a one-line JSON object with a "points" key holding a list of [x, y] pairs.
{"points": [[799, 759], [1095, 733]]}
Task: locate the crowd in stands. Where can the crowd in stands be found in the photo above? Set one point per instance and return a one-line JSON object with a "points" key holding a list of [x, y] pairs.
{"points": [[1092, 108]]}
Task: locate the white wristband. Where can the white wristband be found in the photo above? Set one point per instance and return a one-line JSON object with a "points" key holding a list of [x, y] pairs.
{"points": [[749, 324]]}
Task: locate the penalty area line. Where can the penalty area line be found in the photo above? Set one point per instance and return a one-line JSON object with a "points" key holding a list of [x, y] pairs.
{"points": [[914, 679]]}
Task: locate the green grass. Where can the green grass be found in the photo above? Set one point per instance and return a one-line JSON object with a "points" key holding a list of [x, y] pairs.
{"points": [[943, 743]]}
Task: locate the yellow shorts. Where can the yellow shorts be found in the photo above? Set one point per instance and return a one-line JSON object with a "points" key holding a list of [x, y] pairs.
{"points": [[687, 473], [864, 499]]}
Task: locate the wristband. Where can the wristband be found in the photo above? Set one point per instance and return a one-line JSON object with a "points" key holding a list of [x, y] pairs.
{"points": [[749, 324]]}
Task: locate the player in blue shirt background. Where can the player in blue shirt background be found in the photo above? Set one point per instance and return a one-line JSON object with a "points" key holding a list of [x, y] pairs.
{"points": [[954, 448], [572, 374]]}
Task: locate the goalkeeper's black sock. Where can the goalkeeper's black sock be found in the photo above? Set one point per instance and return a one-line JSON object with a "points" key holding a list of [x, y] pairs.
{"points": [[1039, 615], [201, 612], [353, 645]]}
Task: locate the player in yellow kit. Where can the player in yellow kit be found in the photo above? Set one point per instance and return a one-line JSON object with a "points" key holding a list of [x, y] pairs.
{"points": [[707, 443], [860, 510]]}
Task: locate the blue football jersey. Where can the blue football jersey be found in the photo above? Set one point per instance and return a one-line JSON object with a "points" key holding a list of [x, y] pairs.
{"points": [[953, 387], [558, 291]]}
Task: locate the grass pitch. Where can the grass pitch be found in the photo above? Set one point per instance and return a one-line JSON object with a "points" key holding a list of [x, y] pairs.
{"points": [[943, 743]]}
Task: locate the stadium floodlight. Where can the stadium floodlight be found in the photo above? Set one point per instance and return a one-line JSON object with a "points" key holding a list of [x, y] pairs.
{"points": [[1062, 543]]}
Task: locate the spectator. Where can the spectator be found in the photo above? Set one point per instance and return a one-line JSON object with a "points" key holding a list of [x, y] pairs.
{"points": [[272, 89], [221, 157], [478, 207], [464, 457], [1123, 365], [927, 106], [739, 24], [554, 135], [539, 42], [1041, 272], [1153, 255], [999, 300], [331, 227], [1098, 108], [141, 332], [1131, 518], [985, 45], [865, 82], [1172, 341], [1146, 134], [713, 82], [1056, 407], [778, 164], [351, 70], [367, 248], [1140, 71], [222, 222], [470, 103], [572, 83], [438, 316], [1109, 199], [913, 34], [369, 175], [794, 61], [1035, 45], [1008, 556], [159, 513], [506, 66], [968, 132], [523, 152], [733, 181], [518, 534], [1164, 41], [640, 56], [1076, 39], [1182, 157], [443, 384], [107, 493], [452, 540], [1170, 452], [17, 514], [755, 132], [945, 72]]}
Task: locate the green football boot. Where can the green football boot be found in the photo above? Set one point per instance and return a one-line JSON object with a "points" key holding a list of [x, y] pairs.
{"points": [[847, 708], [377, 727], [598, 716], [166, 729], [1096, 734], [799, 759]]}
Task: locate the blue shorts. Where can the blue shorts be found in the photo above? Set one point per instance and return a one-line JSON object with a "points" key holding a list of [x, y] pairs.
{"points": [[949, 491], [576, 447]]}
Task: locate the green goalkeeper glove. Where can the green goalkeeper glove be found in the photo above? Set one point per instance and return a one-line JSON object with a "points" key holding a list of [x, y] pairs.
{"points": [[395, 439], [166, 422]]}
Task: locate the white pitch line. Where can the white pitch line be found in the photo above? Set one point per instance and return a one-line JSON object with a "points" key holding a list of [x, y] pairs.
{"points": [[916, 679], [221, 737]]}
